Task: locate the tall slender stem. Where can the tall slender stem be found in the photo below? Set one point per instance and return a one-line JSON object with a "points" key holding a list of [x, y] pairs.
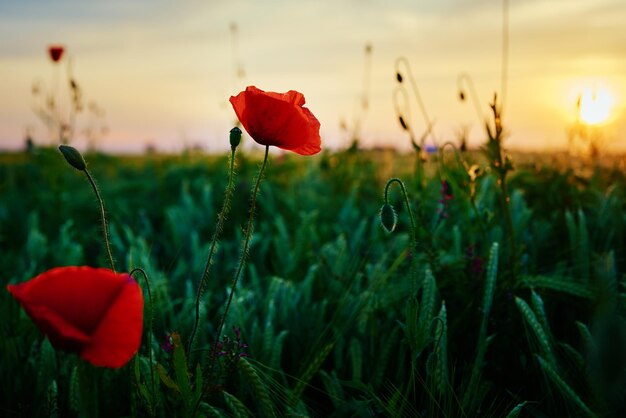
{"points": [[221, 219], [105, 231], [145, 277], [508, 217], [242, 260], [505, 53], [502, 165]]}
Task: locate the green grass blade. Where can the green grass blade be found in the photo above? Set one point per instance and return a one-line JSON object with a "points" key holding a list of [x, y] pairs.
{"points": [[308, 374], [540, 334], [427, 310], [441, 375], [566, 391], [181, 371], [560, 284], [471, 400], [516, 410], [258, 387], [540, 312], [237, 407]]}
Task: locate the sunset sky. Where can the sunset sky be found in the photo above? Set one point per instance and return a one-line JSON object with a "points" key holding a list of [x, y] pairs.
{"points": [[163, 70]]}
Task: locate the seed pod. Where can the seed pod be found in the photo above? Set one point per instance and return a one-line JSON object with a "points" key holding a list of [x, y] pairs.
{"points": [[388, 217], [73, 157]]}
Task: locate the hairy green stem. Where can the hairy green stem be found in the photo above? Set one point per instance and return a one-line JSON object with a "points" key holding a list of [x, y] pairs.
{"points": [[105, 231], [406, 201], [501, 165], [242, 262], [413, 242], [506, 208], [221, 219], [244, 252], [145, 277]]}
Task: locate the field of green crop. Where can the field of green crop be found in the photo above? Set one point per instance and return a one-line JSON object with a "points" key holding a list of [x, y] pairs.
{"points": [[495, 292]]}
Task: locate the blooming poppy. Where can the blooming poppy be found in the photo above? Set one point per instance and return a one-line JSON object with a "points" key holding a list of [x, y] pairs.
{"points": [[56, 52], [94, 312], [278, 119]]}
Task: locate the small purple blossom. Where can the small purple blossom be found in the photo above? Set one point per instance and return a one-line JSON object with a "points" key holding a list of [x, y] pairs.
{"points": [[446, 196], [232, 349], [167, 345]]}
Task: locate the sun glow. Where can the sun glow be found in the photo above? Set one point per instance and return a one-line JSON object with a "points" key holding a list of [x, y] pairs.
{"points": [[594, 106]]}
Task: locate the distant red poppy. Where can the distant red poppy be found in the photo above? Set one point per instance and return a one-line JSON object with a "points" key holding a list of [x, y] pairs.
{"points": [[278, 119], [56, 52], [91, 311]]}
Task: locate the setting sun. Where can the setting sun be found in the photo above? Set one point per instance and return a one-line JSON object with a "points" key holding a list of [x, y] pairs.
{"points": [[594, 106]]}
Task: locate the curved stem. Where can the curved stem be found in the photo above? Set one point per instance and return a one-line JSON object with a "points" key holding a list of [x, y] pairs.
{"points": [[406, 201], [405, 119], [472, 89], [455, 151], [419, 166], [413, 241], [415, 89], [105, 231], [221, 219], [145, 276]]}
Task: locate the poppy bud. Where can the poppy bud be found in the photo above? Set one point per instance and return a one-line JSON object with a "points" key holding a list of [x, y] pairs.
{"points": [[73, 157], [56, 52], [403, 123], [388, 217], [399, 77], [235, 137]]}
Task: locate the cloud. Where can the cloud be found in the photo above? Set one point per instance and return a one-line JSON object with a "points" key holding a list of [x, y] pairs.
{"points": [[164, 65]]}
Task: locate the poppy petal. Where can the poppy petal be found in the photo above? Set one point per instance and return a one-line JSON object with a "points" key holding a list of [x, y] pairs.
{"points": [[278, 119], [118, 337], [77, 308], [56, 52]]}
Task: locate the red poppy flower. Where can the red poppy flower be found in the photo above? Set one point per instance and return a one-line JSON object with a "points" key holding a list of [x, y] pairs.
{"points": [[56, 52], [278, 119], [91, 311]]}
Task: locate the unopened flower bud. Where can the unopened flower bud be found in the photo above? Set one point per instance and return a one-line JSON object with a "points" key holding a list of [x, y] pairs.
{"points": [[235, 137], [403, 123], [388, 217], [73, 157]]}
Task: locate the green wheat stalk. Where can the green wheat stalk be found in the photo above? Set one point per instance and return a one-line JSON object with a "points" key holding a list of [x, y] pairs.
{"points": [[563, 387], [258, 388], [470, 398]]}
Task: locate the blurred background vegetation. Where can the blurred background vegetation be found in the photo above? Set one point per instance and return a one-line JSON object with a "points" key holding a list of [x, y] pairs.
{"points": [[336, 321]]}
